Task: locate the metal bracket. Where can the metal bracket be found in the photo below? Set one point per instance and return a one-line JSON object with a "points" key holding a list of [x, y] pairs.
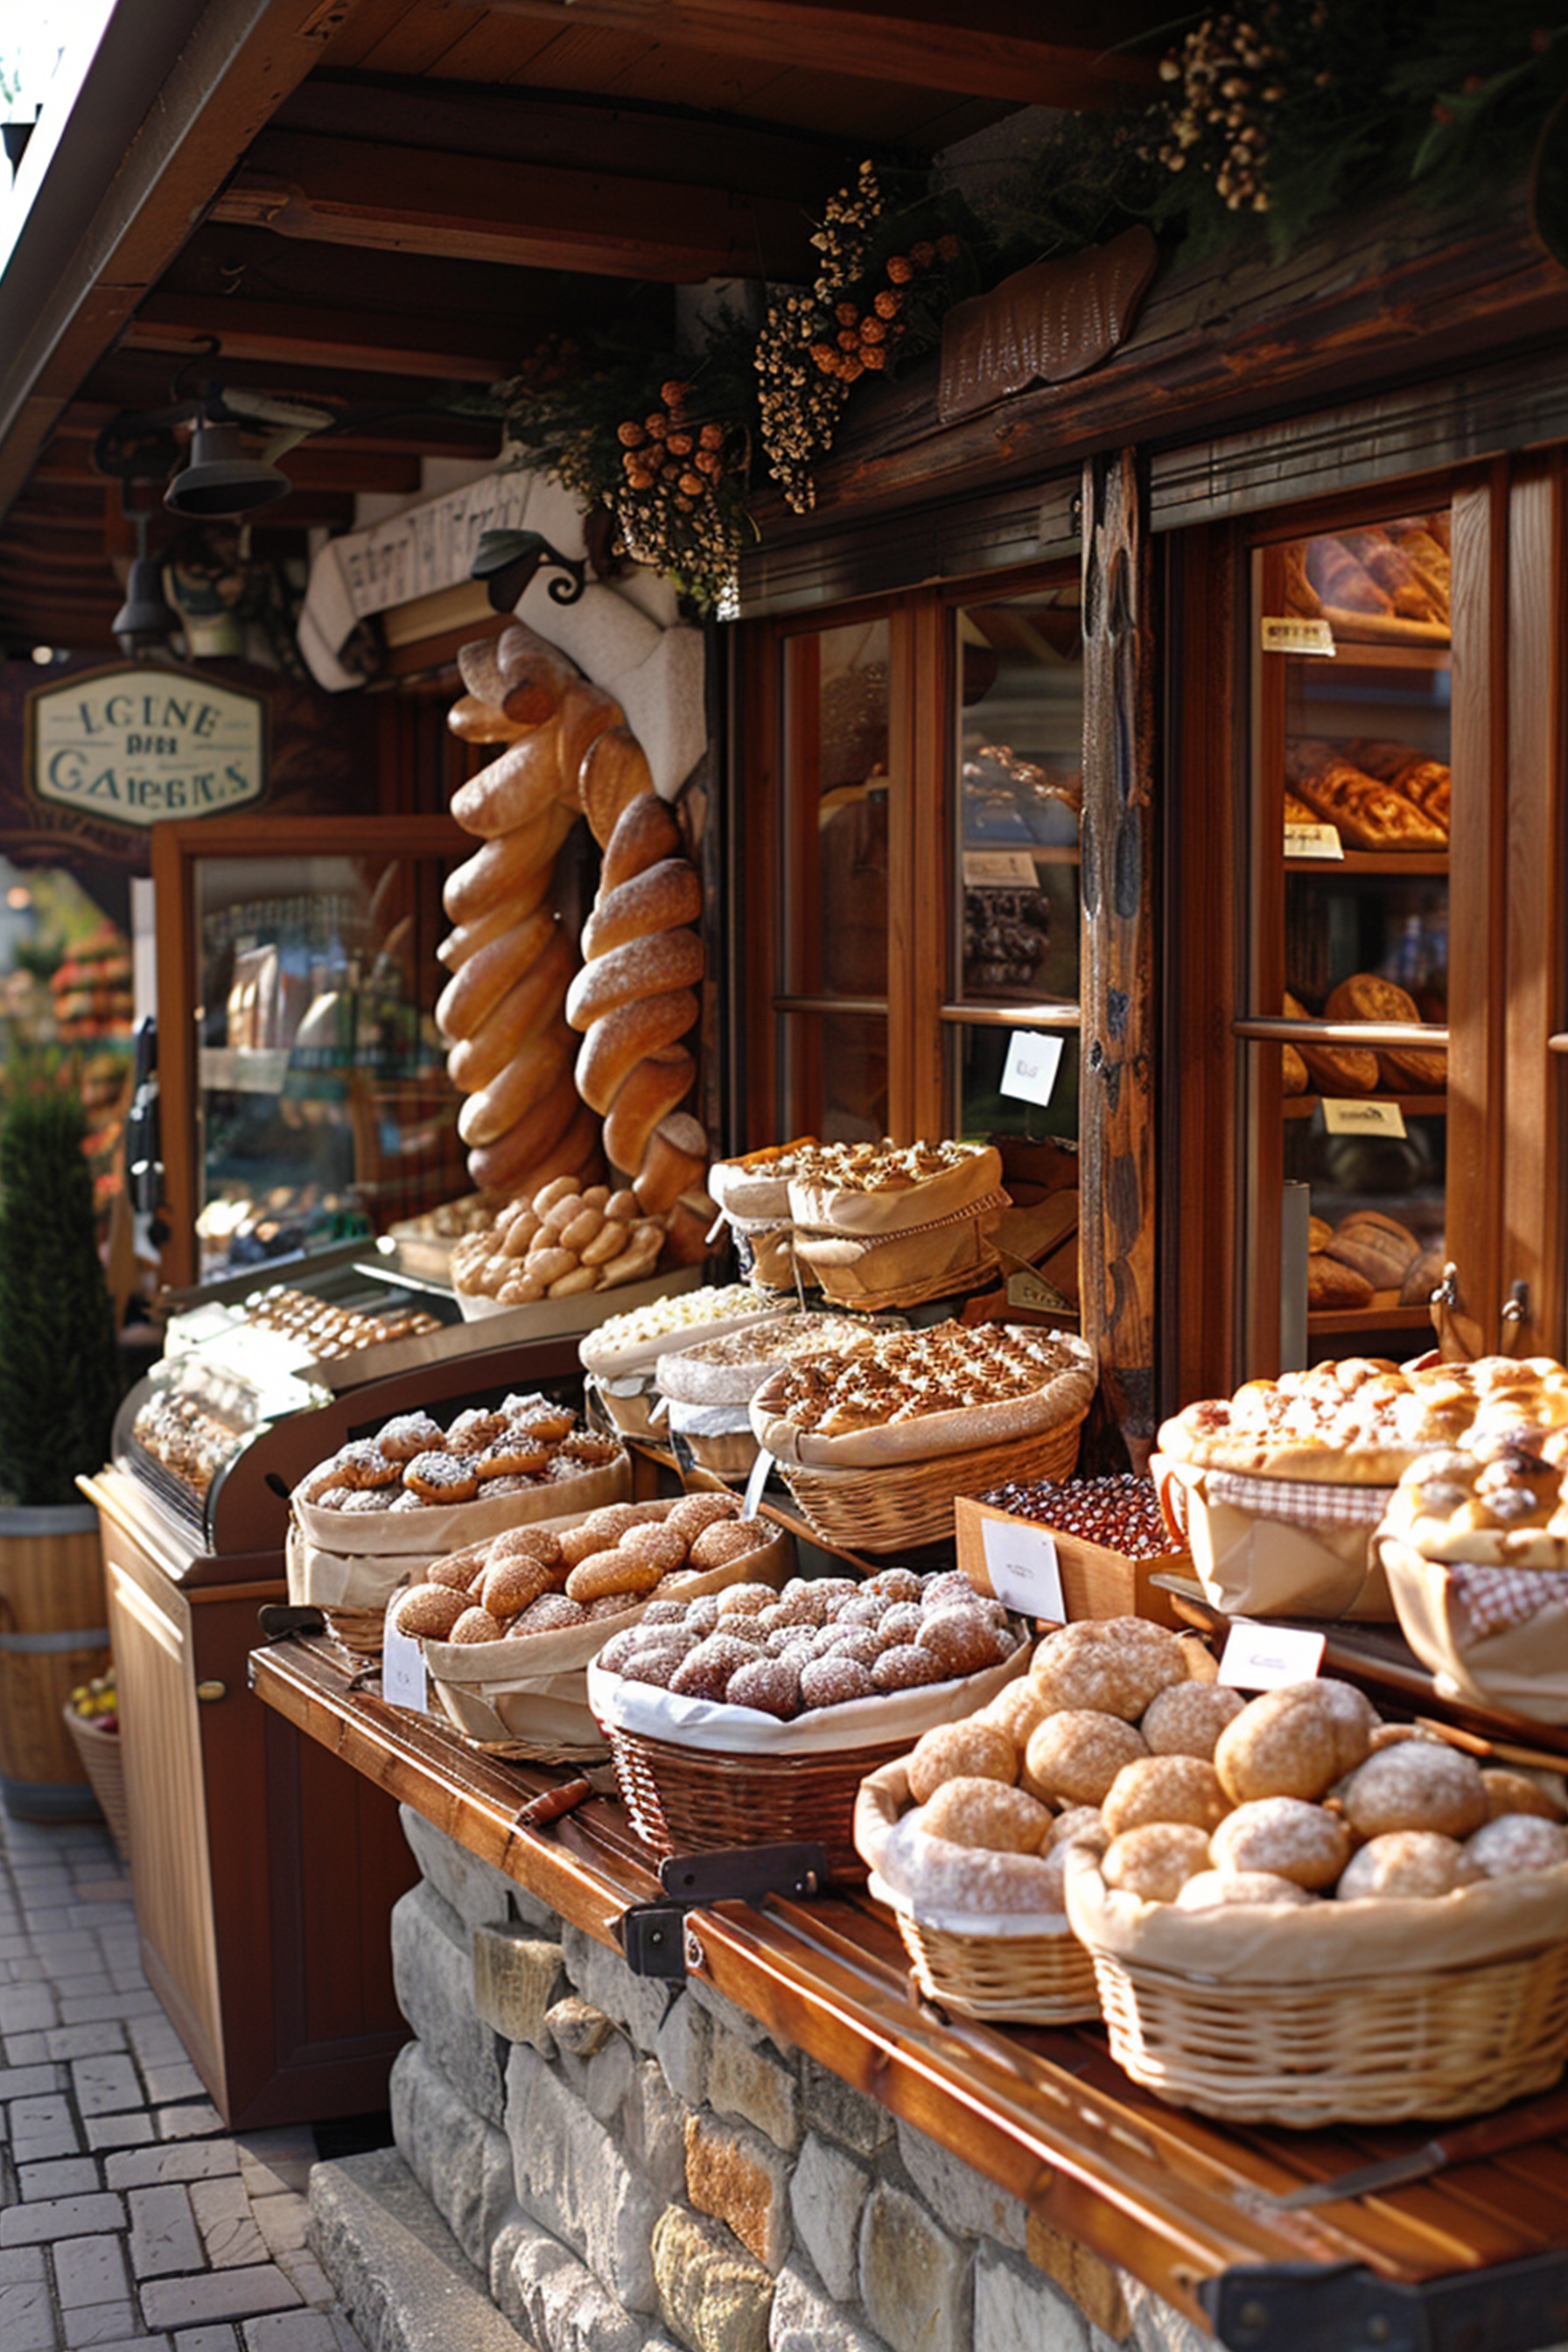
{"points": [[1341, 2306], [277, 1620], [654, 1937]]}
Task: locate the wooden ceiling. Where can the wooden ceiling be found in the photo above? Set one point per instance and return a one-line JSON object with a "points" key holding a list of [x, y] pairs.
{"points": [[371, 205]]}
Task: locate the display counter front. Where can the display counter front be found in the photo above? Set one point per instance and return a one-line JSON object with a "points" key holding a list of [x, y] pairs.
{"points": [[859, 2145]]}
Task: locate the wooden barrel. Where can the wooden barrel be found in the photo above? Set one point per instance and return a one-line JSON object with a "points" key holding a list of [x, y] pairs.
{"points": [[53, 1635]]}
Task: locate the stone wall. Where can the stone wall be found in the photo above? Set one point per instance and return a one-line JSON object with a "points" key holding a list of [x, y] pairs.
{"points": [[634, 2167]]}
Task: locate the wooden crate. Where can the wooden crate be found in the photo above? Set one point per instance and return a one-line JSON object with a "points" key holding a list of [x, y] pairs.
{"points": [[1095, 1582]]}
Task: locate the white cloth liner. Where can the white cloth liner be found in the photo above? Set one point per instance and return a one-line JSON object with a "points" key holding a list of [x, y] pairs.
{"points": [[998, 1925], [611, 1357], [326, 1579], [702, 1723]]}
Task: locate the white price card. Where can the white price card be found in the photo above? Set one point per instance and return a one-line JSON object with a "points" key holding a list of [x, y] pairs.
{"points": [[1021, 1562], [755, 1483], [403, 1680], [1353, 1115], [1313, 840], [1030, 1070], [1266, 1657], [1292, 633], [1005, 868]]}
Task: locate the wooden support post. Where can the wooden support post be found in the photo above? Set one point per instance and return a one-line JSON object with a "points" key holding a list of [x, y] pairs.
{"points": [[1117, 1110]]}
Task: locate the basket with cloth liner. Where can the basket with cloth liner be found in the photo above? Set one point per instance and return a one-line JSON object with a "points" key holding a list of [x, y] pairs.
{"points": [[1278, 1547], [973, 1950], [619, 1358], [708, 1384], [1372, 2012], [525, 1695], [876, 1458], [888, 1226], [751, 1193], [699, 1774], [1475, 1548]]}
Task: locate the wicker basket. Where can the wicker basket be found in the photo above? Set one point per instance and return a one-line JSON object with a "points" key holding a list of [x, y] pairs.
{"points": [[691, 1801], [103, 1761], [1375, 2044], [897, 1505]]}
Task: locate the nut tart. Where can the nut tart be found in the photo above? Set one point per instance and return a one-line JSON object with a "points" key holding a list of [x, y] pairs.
{"points": [[634, 1341], [1505, 1507], [867, 1189], [755, 1187], [912, 1395], [1363, 1420], [729, 1370]]}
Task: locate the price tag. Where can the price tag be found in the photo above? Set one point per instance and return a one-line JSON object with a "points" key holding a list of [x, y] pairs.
{"points": [[755, 1483], [403, 1680], [1287, 632], [1034, 1058], [999, 869], [1313, 840], [1266, 1657], [1027, 1288], [1021, 1563], [1353, 1115]]}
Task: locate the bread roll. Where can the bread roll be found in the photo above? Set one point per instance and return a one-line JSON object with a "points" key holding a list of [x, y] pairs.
{"points": [[469, 937], [648, 1094], [476, 987], [1334, 1069], [673, 1160], [615, 1046], [497, 870], [533, 1074], [514, 1164], [614, 773], [528, 1006], [481, 723], [1379, 1247], [659, 898], [515, 788], [644, 832], [641, 968], [534, 676], [1331, 1285]]}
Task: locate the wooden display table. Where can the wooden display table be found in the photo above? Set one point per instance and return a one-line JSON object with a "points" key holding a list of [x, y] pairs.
{"points": [[1473, 2255]]}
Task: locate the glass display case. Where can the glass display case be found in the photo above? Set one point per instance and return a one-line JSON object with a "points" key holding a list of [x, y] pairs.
{"points": [[304, 1097], [1345, 1037]]}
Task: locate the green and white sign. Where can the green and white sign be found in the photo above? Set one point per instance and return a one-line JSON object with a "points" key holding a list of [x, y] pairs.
{"points": [[134, 745]]}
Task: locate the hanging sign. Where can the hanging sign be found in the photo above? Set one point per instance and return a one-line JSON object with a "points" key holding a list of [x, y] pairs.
{"points": [[134, 745], [1029, 1072]]}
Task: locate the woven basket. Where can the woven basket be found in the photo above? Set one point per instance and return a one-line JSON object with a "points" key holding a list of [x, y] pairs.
{"points": [[897, 1505], [1369, 2046], [1013, 1980], [103, 1761], [688, 1801], [361, 1631]]}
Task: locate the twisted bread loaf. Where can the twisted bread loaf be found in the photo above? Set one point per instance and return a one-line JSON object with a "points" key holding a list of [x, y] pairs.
{"points": [[635, 998]]}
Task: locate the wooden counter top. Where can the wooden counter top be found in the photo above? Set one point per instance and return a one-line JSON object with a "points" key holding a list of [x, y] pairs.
{"points": [[1476, 2255]]}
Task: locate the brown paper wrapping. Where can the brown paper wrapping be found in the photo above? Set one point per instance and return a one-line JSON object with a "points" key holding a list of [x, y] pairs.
{"points": [[432, 1533], [1518, 1670], [1252, 1567]]}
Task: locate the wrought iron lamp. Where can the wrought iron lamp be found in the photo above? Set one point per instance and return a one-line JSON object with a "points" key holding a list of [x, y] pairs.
{"points": [[509, 561]]}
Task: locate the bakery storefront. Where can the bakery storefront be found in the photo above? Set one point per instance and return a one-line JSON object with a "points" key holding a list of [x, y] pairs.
{"points": [[922, 1530]]}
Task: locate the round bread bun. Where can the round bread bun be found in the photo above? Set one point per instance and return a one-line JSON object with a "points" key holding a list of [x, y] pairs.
{"points": [[1155, 1860], [1284, 1744], [1187, 1719], [1353, 1715], [1016, 1710], [1073, 1757], [1517, 1793], [1079, 1825], [983, 1812], [1103, 1666], [1164, 1788], [1512, 1841], [1407, 1863], [953, 1751], [1213, 1887], [1284, 1835], [1420, 1784]]}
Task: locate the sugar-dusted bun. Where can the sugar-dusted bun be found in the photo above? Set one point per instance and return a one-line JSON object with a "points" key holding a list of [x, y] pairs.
{"points": [[1284, 1835], [1164, 1788], [1284, 1744], [1506, 1793], [1421, 1784], [1353, 1715], [972, 1751], [1212, 1888], [1016, 1709], [1099, 1666], [1407, 1863], [1512, 1841], [980, 1812], [1073, 1757], [1079, 1825], [477, 1624], [429, 1611], [644, 832], [1156, 1860], [659, 898], [1187, 1719]]}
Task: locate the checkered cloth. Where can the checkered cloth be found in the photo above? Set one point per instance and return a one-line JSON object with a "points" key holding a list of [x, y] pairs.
{"points": [[1488, 1599], [1302, 1502]]}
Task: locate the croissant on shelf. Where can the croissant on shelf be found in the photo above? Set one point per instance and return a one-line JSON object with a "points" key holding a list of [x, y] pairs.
{"points": [[1392, 580], [1369, 812]]}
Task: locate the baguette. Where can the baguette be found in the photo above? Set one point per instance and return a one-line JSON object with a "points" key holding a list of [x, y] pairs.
{"points": [[527, 1006], [519, 786], [617, 1044], [478, 986], [518, 1088], [648, 1094]]}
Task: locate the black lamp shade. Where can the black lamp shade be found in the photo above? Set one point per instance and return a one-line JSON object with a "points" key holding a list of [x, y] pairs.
{"points": [[220, 480], [146, 620]]}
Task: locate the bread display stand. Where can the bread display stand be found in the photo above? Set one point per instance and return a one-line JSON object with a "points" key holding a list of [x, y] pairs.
{"points": [[1494, 1637], [1278, 1547], [527, 1696], [696, 1774], [1360, 2013], [1022, 1968], [553, 1318]]}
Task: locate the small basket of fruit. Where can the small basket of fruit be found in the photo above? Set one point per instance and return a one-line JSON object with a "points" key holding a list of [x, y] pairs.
{"points": [[92, 1719]]}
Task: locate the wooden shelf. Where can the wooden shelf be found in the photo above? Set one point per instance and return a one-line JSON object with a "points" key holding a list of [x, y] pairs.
{"points": [[1411, 1106], [1369, 1318], [1398, 863], [1350, 652]]}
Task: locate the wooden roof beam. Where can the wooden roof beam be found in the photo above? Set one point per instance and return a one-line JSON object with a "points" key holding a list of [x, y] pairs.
{"points": [[538, 216], [289, 333], [993, 48]]}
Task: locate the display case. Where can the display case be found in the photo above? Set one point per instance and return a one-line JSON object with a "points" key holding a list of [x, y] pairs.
{"points": [[1344, 1034], [303, 1089]]}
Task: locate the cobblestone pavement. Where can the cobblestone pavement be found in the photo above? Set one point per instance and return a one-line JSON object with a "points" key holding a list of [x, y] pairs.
{"points": [[129, 2220]]}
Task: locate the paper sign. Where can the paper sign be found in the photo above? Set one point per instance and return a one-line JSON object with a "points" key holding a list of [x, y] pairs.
{"points": [[1021, 1562], [1287, 634], [1312, 840], [755, 1483], [1027, 1288], [1266, 1657], [403, 1681], [1349, 1115], [1011, 869], [1033, 1059]]}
